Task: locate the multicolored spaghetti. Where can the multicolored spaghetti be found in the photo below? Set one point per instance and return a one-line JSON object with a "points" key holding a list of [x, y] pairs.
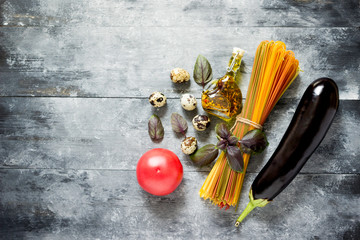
{"points": [[274, 69]]}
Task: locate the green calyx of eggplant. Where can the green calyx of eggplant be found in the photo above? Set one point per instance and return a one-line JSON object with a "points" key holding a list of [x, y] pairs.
{"points": [[251, 206]]}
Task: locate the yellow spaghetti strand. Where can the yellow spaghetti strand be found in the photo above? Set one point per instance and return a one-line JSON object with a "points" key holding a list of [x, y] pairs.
{"points": [[274, 69]]}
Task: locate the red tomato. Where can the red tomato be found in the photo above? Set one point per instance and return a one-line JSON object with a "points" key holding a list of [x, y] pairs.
{"points": [[159, 171]]}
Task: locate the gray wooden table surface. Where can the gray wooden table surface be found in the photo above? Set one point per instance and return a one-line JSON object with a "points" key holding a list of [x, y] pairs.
{"points": [[74, 81]]}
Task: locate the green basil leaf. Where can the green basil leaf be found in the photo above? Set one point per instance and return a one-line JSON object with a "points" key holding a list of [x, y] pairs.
{"points": [[155, 128], [222, 131], [202, 71], [254, 142], [178, 123], [204, 155], [235, 159]]}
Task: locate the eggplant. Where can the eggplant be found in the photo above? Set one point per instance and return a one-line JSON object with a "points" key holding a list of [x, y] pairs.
{"points": [[311, 121]]}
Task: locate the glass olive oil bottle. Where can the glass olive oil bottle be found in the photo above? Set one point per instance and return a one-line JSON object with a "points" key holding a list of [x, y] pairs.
{"points": [[223, 97]]}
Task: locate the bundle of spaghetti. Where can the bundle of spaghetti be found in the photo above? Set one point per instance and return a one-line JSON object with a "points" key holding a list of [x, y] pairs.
{"points": [[274, 69]]}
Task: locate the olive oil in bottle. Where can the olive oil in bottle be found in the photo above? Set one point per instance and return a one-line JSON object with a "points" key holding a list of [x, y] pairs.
{"points": [[223, 97]]}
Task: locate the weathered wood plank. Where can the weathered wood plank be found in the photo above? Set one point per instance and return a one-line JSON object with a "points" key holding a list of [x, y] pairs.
{"points": [[67, 165], [77, 133], [303, 13], [132, 62], [51, 204]]}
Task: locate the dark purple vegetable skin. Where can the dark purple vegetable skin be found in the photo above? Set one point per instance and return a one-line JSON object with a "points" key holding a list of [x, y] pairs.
{"points": [[308, 127]]}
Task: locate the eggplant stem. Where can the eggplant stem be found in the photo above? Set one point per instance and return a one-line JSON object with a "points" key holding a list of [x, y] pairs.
{"points": [[251, 205], [247, 210]]}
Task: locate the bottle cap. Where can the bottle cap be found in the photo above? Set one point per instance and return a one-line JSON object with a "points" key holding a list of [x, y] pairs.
{"points": [[238, 51]]}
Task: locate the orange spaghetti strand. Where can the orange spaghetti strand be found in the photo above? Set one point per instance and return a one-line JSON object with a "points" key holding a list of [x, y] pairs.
{"points": [[274, 70]]}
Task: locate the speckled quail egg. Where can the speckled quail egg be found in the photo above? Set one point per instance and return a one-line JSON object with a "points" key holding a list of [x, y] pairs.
{"points": [[157, 99], [201, 122], [179, 75], [188, 102], [189, 145]]}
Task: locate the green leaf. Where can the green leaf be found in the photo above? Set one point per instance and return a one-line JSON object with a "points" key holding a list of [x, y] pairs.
{"points": [[204, 155], [202, 71], [155, 128], [222, 131], [235, 159], [178, 123], [254, 142]]}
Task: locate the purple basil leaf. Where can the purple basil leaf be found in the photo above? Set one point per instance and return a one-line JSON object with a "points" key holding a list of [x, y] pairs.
{"points": [[204, 155], [254, 142], [202, 71], [222, 144], [155, 128], [178, 123], [233, 140], [222, 131], [235, 159]]}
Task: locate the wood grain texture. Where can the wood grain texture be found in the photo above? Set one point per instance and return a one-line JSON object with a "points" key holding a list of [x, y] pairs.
{"points": [[56, 204], [75, 77], [133, 62], [303, 13], [74, 133]]}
